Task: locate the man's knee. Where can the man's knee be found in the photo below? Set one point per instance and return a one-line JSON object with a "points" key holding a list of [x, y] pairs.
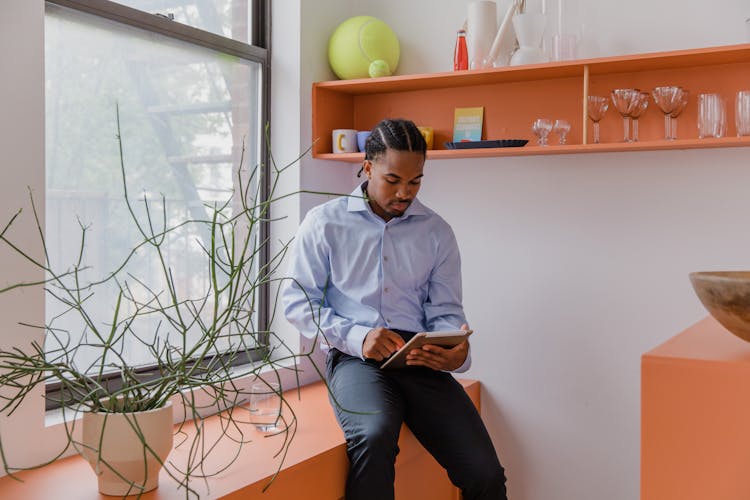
{"points": [[378, 440]]}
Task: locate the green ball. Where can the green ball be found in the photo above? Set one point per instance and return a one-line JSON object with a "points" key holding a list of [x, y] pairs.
{"points": [[361, 42], [379, 68]]}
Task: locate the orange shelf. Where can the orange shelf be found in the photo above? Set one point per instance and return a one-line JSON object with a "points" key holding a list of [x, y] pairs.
{"points": [[657, 145], [514, 96]]}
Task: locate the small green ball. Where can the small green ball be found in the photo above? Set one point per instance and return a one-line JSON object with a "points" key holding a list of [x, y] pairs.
{"points": [[359, 42], [379, 68]]}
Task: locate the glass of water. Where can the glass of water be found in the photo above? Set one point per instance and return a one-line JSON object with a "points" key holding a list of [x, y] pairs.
{"points": [[265, 406]]}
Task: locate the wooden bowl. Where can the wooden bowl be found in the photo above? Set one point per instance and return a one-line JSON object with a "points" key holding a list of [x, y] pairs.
{"points": [[726, 295]]}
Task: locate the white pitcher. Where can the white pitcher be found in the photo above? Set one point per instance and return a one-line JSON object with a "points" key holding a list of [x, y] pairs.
{"points": [[530, 31]]}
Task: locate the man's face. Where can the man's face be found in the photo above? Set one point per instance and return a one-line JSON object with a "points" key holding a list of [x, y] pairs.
{"points": [[394, 181]]}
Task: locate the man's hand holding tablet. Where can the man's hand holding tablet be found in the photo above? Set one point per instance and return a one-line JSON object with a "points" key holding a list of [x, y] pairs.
{"points": [[425, 341]]}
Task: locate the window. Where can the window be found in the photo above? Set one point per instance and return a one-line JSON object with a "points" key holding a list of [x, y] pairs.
{"points": [[228, 18], [192, 99]]}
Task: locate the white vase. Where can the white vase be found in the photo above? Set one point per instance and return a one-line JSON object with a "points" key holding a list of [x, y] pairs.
{"points": [[112, 443], [481, 23], [530, 32]]}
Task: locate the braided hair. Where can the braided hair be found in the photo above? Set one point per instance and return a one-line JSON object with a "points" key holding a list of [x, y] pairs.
{"points": [[397, 134]]}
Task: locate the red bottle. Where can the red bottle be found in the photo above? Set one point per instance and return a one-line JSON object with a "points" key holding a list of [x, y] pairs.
{"points": [[461, 54]]}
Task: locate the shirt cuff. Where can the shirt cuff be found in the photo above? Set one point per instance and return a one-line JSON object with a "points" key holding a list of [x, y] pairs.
{"points": [[355, 338], [466, 365]]}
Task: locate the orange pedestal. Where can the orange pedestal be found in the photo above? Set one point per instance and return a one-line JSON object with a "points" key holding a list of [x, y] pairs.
{"points": [[695, 416]]}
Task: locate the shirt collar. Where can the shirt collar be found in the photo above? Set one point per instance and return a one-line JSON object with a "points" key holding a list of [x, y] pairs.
{"points": [[357, 203]]}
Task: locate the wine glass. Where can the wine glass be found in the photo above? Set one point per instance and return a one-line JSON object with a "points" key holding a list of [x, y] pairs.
{"points": [[561, 127], [597, 107], [639, 107], [624, 101], [679, 107], [667, 98], [541, 128]]}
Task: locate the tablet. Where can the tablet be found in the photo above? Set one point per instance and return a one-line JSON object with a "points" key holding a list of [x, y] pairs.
{"points": [[443, 339]]}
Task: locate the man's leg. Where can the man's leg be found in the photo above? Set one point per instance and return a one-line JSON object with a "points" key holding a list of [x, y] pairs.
{"points": [[443, 418], [370, 411]]}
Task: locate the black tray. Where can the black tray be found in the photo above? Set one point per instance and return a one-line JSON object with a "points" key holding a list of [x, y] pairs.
{"points": [[499, 143]]}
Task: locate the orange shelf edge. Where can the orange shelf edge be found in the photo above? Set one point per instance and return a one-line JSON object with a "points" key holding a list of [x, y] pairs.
{"points": [[650, 61], [612, 147]]}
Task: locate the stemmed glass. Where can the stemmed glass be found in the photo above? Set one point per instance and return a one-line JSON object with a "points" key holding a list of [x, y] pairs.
{"points": [[639, 106], [625, 101], [541, 128], [561, 127], [669, 99], [597, 107]]}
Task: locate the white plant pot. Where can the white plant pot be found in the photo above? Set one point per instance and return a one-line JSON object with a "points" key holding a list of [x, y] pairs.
{"points": [[113, 444]]}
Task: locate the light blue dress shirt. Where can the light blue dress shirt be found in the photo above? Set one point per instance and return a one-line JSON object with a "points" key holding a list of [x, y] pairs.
{"points": [[353, 272]]}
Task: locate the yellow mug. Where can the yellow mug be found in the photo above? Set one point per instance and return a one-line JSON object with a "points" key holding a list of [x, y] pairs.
{"points": [[428, 135]]}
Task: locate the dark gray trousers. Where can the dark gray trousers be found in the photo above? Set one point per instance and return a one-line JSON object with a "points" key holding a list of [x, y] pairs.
{"points": [[371, 404]]}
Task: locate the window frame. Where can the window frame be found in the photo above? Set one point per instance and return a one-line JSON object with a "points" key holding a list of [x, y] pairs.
{"points": [[259, 51]]}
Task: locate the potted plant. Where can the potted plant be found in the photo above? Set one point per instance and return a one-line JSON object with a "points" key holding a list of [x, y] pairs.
{"points": [[203, 338]]}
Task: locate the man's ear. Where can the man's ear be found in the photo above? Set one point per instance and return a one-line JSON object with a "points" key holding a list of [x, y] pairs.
{"points": [[367, 167]]}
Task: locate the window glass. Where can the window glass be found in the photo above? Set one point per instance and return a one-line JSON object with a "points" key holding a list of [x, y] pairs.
{"points": [[228, 18], [186, 113]]}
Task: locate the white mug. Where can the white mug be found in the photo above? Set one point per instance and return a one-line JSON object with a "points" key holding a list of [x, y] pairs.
{"points": [[344, 140]]}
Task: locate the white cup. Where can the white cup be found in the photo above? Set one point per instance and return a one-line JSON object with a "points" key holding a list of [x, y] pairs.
{"points": [[564, 47], [265, 406], [742, 113], [344, 140], [712, 116]]}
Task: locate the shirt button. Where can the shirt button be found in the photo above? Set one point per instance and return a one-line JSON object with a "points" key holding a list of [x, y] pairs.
{"points": [[385, 289], [388, 320], [385, 258]]}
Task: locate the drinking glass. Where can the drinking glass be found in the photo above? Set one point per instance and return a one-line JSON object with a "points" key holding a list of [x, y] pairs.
{"points": [[561, 127], [624, 101], [596, 108], [265, 406], [679, 108], [742, 112], [541, 128], [712, 116], [639, 107], [669, 98]]}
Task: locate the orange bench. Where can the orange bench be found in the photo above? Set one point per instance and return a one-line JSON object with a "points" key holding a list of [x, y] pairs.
{"points": [[314, 468]]}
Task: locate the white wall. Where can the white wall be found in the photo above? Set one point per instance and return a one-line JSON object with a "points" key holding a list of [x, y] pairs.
{"points": [[22, 146], [575, 265]]}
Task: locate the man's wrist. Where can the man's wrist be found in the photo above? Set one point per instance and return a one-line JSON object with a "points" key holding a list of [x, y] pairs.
{"points": [[356, 338]]}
